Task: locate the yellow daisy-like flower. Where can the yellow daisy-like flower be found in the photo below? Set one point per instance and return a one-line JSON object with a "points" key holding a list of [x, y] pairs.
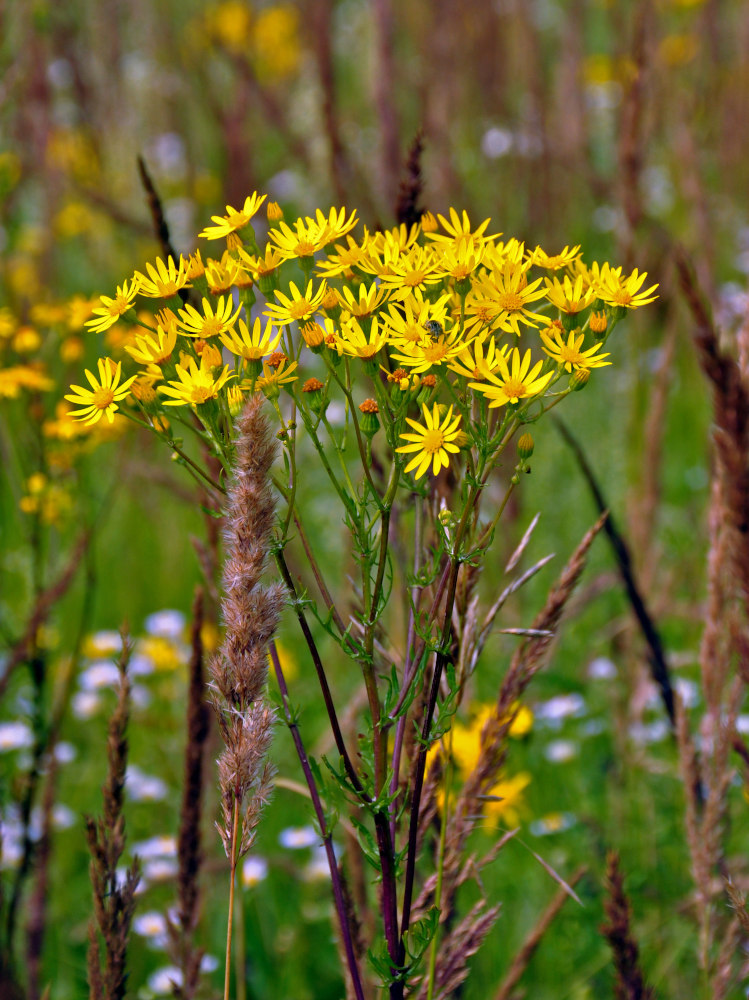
{"points": [[568, 353], [150, 350], [506, 802], [346, 258], [354, 342], [273, 378], [569, 298], [195, 266], [510, 385], [18, 377], [508, 293], [432, 351], [164, 279], [110, 310], [195, 386], [103, 396], [553, 262], [366, 303], [335, 225], [304, 240], [624, 293], [406, 321], [296, 307], [476, 362], [221, 275], [460, 258], [209, 323], [235, 219], [252, 345], [458, 226], [432, 441], [262, 267], [415, 269]]}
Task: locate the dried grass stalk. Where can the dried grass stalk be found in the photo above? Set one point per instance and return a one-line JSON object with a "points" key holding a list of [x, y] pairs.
{"points": [[630, 984], [114, 897]]}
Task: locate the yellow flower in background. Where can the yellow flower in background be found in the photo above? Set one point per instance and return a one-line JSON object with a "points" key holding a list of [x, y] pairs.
{"points": [[235, 220], [161, 651], [26, 340], [103, 396], [432, 441], [164, 279], [406, 321], [229, 24], [18, 377], [195, 386], [261, 267], [210, 322], [274, 377], [289, 663], [506, 804], [460, 258], [296, 307], [74, 219], [153, 350], [568, 352], [111, 309], [275, 40], [346, 257], [415, 269]]}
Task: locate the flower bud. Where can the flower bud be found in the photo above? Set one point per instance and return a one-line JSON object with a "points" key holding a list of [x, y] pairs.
{"points": [[274, 212], [313, 336], [598, 322], [525, 446], [314, 396], [579, 379], [370, 423]]}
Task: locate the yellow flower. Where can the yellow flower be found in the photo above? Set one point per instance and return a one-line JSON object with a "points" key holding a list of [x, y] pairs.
{"points": [[406, 321], [261, 267], [511, 385], [460, 258], [354, 342], [553, 262], [209, 323], [477, 364], [346, 258], [273, 378], [220, 275], [432, 442], [252, 345], [569, 354], [415, 269], [310, 235], [12, 380], [296, 307], [569, 298], [164, 279], [457, 227], [275, 38], [431, 351], [235, 219], [506, 803], [110, 310], [104, 394], [195, 386], [150, 350], [625, 293], [507, 294], [369, 299]]}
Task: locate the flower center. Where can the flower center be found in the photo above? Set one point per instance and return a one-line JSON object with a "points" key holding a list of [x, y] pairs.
{"points": [[212, 326], [514, 389], [200, 393], [238, 220], [102, 397], [118, 306], [433, 441], [622, 297], [414, 278], [300, 309], [435, 352], [510, 301], [304, 248]]}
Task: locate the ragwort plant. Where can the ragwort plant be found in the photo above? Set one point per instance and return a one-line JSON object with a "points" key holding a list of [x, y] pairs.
{"points": [[409, 362]]}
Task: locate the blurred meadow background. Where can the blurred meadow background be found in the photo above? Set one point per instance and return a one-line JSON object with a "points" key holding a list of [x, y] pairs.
{"points": [[623, 127]]}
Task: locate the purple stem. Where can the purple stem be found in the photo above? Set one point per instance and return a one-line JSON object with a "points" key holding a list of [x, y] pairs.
{"points": [[335, 875]]}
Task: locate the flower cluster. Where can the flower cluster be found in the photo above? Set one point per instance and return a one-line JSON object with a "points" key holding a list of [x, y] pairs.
{"points": [[447, 322]]}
